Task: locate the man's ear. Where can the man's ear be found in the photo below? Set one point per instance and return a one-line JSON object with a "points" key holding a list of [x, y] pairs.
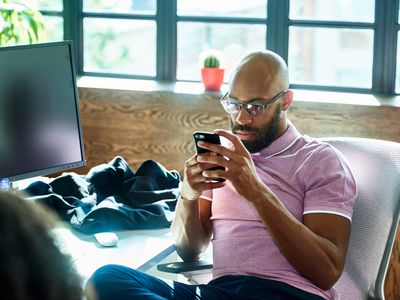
{"points": [[287, 100]]}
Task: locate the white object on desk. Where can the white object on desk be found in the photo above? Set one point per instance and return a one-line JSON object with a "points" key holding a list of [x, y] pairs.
{"points": [[106, 239], [137, 249]]}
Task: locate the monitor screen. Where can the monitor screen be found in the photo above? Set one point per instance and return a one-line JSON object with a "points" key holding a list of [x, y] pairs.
{"points": [[40, 130]]}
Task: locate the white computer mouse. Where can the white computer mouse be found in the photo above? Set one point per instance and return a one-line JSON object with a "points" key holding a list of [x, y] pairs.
{"points": [[106, 239]]}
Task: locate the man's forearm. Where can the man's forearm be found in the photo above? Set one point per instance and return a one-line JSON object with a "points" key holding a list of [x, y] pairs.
{"points": [[314, 256], [189, 234]]}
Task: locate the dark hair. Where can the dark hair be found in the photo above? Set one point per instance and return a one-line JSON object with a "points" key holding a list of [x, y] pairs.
{"points": [[31, 264]]}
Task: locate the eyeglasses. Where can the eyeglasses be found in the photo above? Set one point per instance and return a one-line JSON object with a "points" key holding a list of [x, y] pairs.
{"points": [[233, 107]]}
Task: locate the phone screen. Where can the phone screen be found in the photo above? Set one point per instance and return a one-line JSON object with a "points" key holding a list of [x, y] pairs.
{"points": [[209, 138], [206, 137]]}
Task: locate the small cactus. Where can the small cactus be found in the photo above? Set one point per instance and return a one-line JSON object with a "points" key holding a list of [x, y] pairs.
{"points": [[211, 61]]}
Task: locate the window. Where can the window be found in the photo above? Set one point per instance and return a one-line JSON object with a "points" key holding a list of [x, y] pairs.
{"points": [[116, 46], [52, 11], [234, 29], [398, 64], [331, 42], [338, 45], [398, 54], [119, 36]]}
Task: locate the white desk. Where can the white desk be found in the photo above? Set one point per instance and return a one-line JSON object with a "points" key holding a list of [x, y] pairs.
{"points": [[138, 249]]}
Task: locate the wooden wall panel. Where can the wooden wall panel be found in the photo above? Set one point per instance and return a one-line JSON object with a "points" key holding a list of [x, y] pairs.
{"points": [[159, 125], [144, 126], [327, 119], [392, 283]]}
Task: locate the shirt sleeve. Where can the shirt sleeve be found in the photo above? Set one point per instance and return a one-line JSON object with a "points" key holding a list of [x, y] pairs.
{"points": [[329, 183], [207, 195]]}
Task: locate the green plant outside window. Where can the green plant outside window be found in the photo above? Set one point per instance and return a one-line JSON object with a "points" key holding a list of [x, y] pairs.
{"points": [[20, 24]]}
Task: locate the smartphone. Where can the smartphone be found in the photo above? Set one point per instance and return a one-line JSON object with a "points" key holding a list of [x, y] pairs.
{"points": [[206, 137], [209, 138], [181, 267]]}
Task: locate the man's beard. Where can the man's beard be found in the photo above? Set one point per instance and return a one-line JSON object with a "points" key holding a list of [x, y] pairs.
{"points": [[263, 137]]}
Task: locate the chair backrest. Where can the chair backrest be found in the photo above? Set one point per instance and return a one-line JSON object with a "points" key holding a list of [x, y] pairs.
{"points": [[376, 167]]}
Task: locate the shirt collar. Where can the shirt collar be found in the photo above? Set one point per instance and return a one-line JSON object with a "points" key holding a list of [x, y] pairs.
{"points": [[281, 144]]}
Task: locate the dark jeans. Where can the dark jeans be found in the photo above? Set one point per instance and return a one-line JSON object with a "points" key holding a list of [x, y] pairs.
{"points": [[119, 282]]}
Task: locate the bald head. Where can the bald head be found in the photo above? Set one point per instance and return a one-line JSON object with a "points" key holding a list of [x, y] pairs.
{"points": [[260, 70]]}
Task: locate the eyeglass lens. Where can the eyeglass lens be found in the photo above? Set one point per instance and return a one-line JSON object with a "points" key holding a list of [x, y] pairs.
{"points": [[235, 107]]}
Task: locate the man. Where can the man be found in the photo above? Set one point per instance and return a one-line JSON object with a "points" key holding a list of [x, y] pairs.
{"points": [[279, 223]]}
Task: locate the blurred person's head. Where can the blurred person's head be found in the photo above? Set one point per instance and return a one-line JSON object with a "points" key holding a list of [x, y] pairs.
{"points": [[31, 264]]}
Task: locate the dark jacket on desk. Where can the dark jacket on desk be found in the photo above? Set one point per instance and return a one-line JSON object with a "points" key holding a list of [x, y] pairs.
{"points": [[112, 197]]}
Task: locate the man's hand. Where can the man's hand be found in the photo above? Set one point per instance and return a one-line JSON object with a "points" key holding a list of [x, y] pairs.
{"points": [[238, 164], [194, 183]]}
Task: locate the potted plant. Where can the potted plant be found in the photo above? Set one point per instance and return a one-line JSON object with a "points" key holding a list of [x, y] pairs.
{"points": [[20, 24], [212, 74]]}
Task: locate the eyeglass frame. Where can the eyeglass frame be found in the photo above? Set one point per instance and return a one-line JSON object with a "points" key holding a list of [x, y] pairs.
{"points": [[245, 105]]}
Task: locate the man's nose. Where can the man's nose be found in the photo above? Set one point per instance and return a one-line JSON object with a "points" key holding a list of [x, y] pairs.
{"points": [[244, 117]]}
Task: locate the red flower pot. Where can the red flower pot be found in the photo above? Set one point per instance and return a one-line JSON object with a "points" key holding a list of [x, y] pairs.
{"points": [[212, 78]]}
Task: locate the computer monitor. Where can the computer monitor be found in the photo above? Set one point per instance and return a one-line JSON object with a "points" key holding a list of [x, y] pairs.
{"points": [[40, 130]]}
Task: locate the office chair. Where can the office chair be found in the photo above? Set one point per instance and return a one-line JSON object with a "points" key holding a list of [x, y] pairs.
{"points": [[376, 167]]}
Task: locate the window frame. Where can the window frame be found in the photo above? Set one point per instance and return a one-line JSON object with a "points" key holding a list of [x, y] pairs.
{"points": [[385, 29]]}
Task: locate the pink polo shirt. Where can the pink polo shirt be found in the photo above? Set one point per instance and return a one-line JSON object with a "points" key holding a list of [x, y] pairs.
{"points": [[308, 176]]}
